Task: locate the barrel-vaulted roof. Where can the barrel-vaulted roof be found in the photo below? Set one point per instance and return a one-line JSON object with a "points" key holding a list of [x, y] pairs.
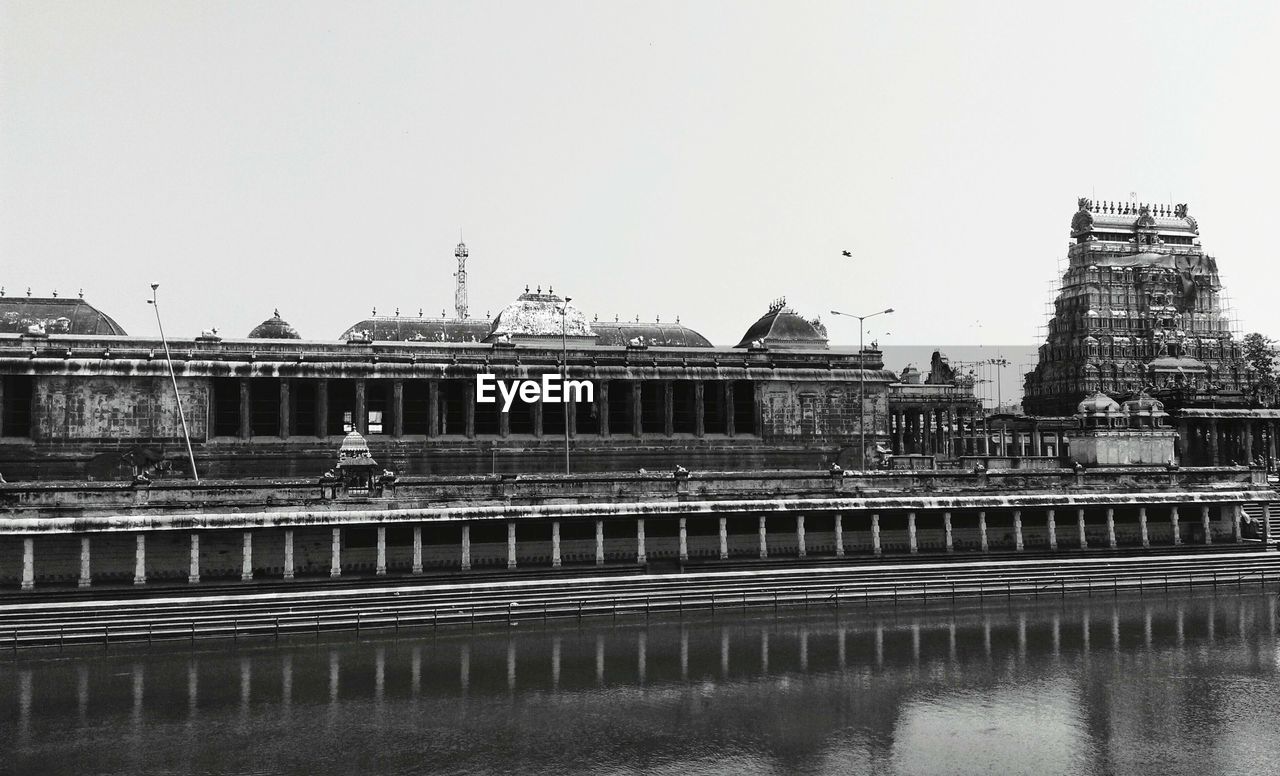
{"points": [[398, 328], [672, 335], [54, 315], [783, 327]]}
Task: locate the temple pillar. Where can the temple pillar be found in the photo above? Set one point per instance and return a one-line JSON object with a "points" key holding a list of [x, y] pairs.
{"points": [[1266, 524], [926, 431], [946, 529], [800, 536], [1247, 431], [286, 413], [433, 408], [245, 429], [335, 553], [1205, 526], [699, 410], [417, 549], [380, 560], [1017, 530], [1236, 511], [1036, 442], [555, 543], [911, 533], [668, 408], [1111, 527], [360, 418], [876, 549], [397, 408], [1271, 441], [86, 577], [140, 559], [602, 406], [1214, 459], [511, 544], [29, 562], [322, 407], [193, 570], [1142, 526], [729, 422], [246, 556], [1084, 539], [983, 542], [641, 557], [684, 539], [599, 542], [764, 539], [1051, 526], [1058, 450], [839, 536], [466, 547], [288, 553], [724, 538], [899, 425], [1173, 523], [637, 427]]}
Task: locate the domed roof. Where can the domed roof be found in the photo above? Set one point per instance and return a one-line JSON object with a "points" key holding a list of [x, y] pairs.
{"points": [[54, 315], [386, 328], [1144, 404], [668, 335], [537, 315], [785, 328], [1098, 404], [274, 327]]}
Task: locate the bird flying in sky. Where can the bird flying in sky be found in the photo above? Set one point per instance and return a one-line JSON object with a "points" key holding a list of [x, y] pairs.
{"points": [[847, 253]]}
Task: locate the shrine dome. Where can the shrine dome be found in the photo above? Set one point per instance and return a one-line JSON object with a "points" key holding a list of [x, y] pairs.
{"points": [[274, 327], [785, 328], [536, 316]]}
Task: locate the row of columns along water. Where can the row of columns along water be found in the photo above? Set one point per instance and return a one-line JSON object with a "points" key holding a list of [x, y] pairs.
{"points": [[1220, 441], [838, 548], [955, 431]]}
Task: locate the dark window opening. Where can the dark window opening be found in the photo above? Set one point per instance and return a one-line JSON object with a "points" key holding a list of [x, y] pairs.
{"points": [[744, 407], [713, 415], [342, 406], [264, 406], [488, 418], [520, 417], [377, 406], [302, 398], [653, 415], [452, 407], [417, 409], [16, 421], [587, 418], [684, 407], [553, 419], [620, 407], [226, 406]]}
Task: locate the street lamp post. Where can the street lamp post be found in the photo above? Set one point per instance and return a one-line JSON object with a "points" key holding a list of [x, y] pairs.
{"points": [[182, 416], [564, 374], [862, 382]]}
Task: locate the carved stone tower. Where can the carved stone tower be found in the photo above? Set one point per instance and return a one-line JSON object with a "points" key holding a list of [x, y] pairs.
{"points": [[1140, 308]]}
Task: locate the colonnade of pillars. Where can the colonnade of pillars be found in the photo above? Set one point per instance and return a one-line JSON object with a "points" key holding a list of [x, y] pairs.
{"points": [[1050, 516], [1223, 441], [722, 396], [955, 431]]}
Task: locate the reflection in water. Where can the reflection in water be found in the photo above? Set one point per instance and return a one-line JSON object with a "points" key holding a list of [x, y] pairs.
{"points": [[1014, 689]]}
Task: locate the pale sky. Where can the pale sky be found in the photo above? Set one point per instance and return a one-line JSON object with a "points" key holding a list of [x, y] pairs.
{"points": [[688, 158]]}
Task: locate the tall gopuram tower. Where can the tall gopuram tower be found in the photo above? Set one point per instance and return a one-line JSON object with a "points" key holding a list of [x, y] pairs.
{"points": [[460, 284], [1140, 308]]}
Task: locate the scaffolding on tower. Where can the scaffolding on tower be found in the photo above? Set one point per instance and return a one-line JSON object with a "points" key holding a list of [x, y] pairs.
{"points": [[460, 283]]}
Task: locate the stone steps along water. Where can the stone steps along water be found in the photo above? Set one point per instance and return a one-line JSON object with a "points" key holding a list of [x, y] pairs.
{"points": [[756, 591]]}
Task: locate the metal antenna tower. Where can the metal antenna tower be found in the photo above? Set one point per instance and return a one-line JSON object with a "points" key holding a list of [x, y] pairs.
{"points": [[460, 286]]}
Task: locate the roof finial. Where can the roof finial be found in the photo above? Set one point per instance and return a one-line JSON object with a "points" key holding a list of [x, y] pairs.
{"points": [[55, 293], [526, 288], [419, 312], [657, 319], [276, 313], [1, 290], [28, 290], [615, 318], [375, 312], [397, 312], [539, 288], [81, 293], [551, 289]]}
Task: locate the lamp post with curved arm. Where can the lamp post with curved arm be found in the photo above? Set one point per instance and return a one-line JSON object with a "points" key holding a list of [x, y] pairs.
{"points": [[862, 381], [172, 376]]}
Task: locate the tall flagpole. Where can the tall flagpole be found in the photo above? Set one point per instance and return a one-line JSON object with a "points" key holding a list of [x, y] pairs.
{"points": [[182, 416]]}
